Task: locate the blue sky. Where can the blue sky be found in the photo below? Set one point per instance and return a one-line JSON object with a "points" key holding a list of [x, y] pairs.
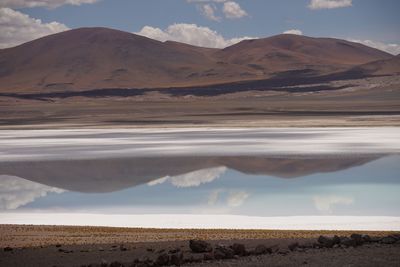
{"points": [[376, 21]]}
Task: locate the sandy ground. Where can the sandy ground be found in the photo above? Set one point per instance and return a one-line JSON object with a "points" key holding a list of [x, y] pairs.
{"points": [[75, 246]]}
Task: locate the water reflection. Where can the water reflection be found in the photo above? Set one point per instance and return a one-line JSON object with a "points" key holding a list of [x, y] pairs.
{"points": [[54, 173]]}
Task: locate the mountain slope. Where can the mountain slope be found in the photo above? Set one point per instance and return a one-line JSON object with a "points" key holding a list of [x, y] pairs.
{"points": [[95, 58]]}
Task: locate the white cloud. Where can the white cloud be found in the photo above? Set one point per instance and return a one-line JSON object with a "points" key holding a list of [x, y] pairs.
{"points": [[42, 3], [293, 31], [16, 192], [232, 10], [192, 179], [237, 198], [209, 12], [329, 4], [393, 49], [17, 28], [190, 34], [325, 204]]}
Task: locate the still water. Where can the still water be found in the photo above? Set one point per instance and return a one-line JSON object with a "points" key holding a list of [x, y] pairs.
{"points": [[311, 178]]}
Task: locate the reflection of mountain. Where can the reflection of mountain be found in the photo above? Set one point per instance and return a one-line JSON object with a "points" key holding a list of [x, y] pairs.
{"points": [[106, 175]]}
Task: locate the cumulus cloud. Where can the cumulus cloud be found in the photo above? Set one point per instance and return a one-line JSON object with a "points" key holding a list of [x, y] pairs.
{"points": [[293, 31], [329, 4], [393, 49], [237, 198], [232, 10], [17, 28], [16, 192], [43, 3], [192, 179], [190, 34], [325, 204], [209, 12]]}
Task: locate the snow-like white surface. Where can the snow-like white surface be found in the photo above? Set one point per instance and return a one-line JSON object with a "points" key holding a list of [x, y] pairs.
{"points": [[180, 221], [18, 145]]}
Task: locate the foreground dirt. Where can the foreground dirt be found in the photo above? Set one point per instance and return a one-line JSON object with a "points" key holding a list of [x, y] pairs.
{"points": [[78, 246]]}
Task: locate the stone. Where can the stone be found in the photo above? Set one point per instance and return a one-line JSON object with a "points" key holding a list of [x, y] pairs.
{"points": [[357, 239], [123, 248], [58, 245], [239, 249], [347, 242], [200, 246], [388, 240], [327, 242], [176, 259], [162, 259], [209, 256], [366, 238], [7, 249], [222, 252], [293, 246], [261, 249]]}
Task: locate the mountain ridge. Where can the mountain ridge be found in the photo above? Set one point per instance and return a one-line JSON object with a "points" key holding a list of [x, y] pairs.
{"points": [[94, 58]]}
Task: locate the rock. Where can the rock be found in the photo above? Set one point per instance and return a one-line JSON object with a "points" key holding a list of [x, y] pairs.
{"points": [[239, 249], [222, 252], [366, 238], [150, 249], [261, 249], [327, 242], [123, 248], [375, 239], [336, 240], [293, 246], [116, 264], [357, 239], [209, 256], [58, 245], [172, 251], [193, 258], [176, 259], [347, 242], [6, 249], [200, 246], [388, 240], [162, 259]]}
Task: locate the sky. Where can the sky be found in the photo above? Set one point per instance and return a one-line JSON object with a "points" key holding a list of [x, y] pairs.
{"points": [[209, 23]]}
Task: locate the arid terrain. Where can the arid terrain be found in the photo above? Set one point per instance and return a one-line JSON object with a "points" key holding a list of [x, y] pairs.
{"points": [[79, 246]]}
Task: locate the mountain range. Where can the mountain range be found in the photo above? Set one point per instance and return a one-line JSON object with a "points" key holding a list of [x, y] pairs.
{"points": [[99, 58]]}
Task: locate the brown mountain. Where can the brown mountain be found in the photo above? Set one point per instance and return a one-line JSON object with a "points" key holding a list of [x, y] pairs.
{"points": [[96, 58]]}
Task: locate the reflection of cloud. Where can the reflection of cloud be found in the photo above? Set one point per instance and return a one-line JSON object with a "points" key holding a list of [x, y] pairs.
{"points": [[213, 196], [192, 179], [326, 203], [16, 192], [237, 198]]}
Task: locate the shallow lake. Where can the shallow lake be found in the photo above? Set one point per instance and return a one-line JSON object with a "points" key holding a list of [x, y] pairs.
{"points": [[283, 178]]}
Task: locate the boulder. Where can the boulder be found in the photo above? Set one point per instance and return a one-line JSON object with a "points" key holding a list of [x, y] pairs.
{"points": [[326, 242], [222, 252], [239, 249], [357, 239], [176, 259], [200, 246], [388, 240], [293, 246], [261, 249], [162, 259], [347, 242]]}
